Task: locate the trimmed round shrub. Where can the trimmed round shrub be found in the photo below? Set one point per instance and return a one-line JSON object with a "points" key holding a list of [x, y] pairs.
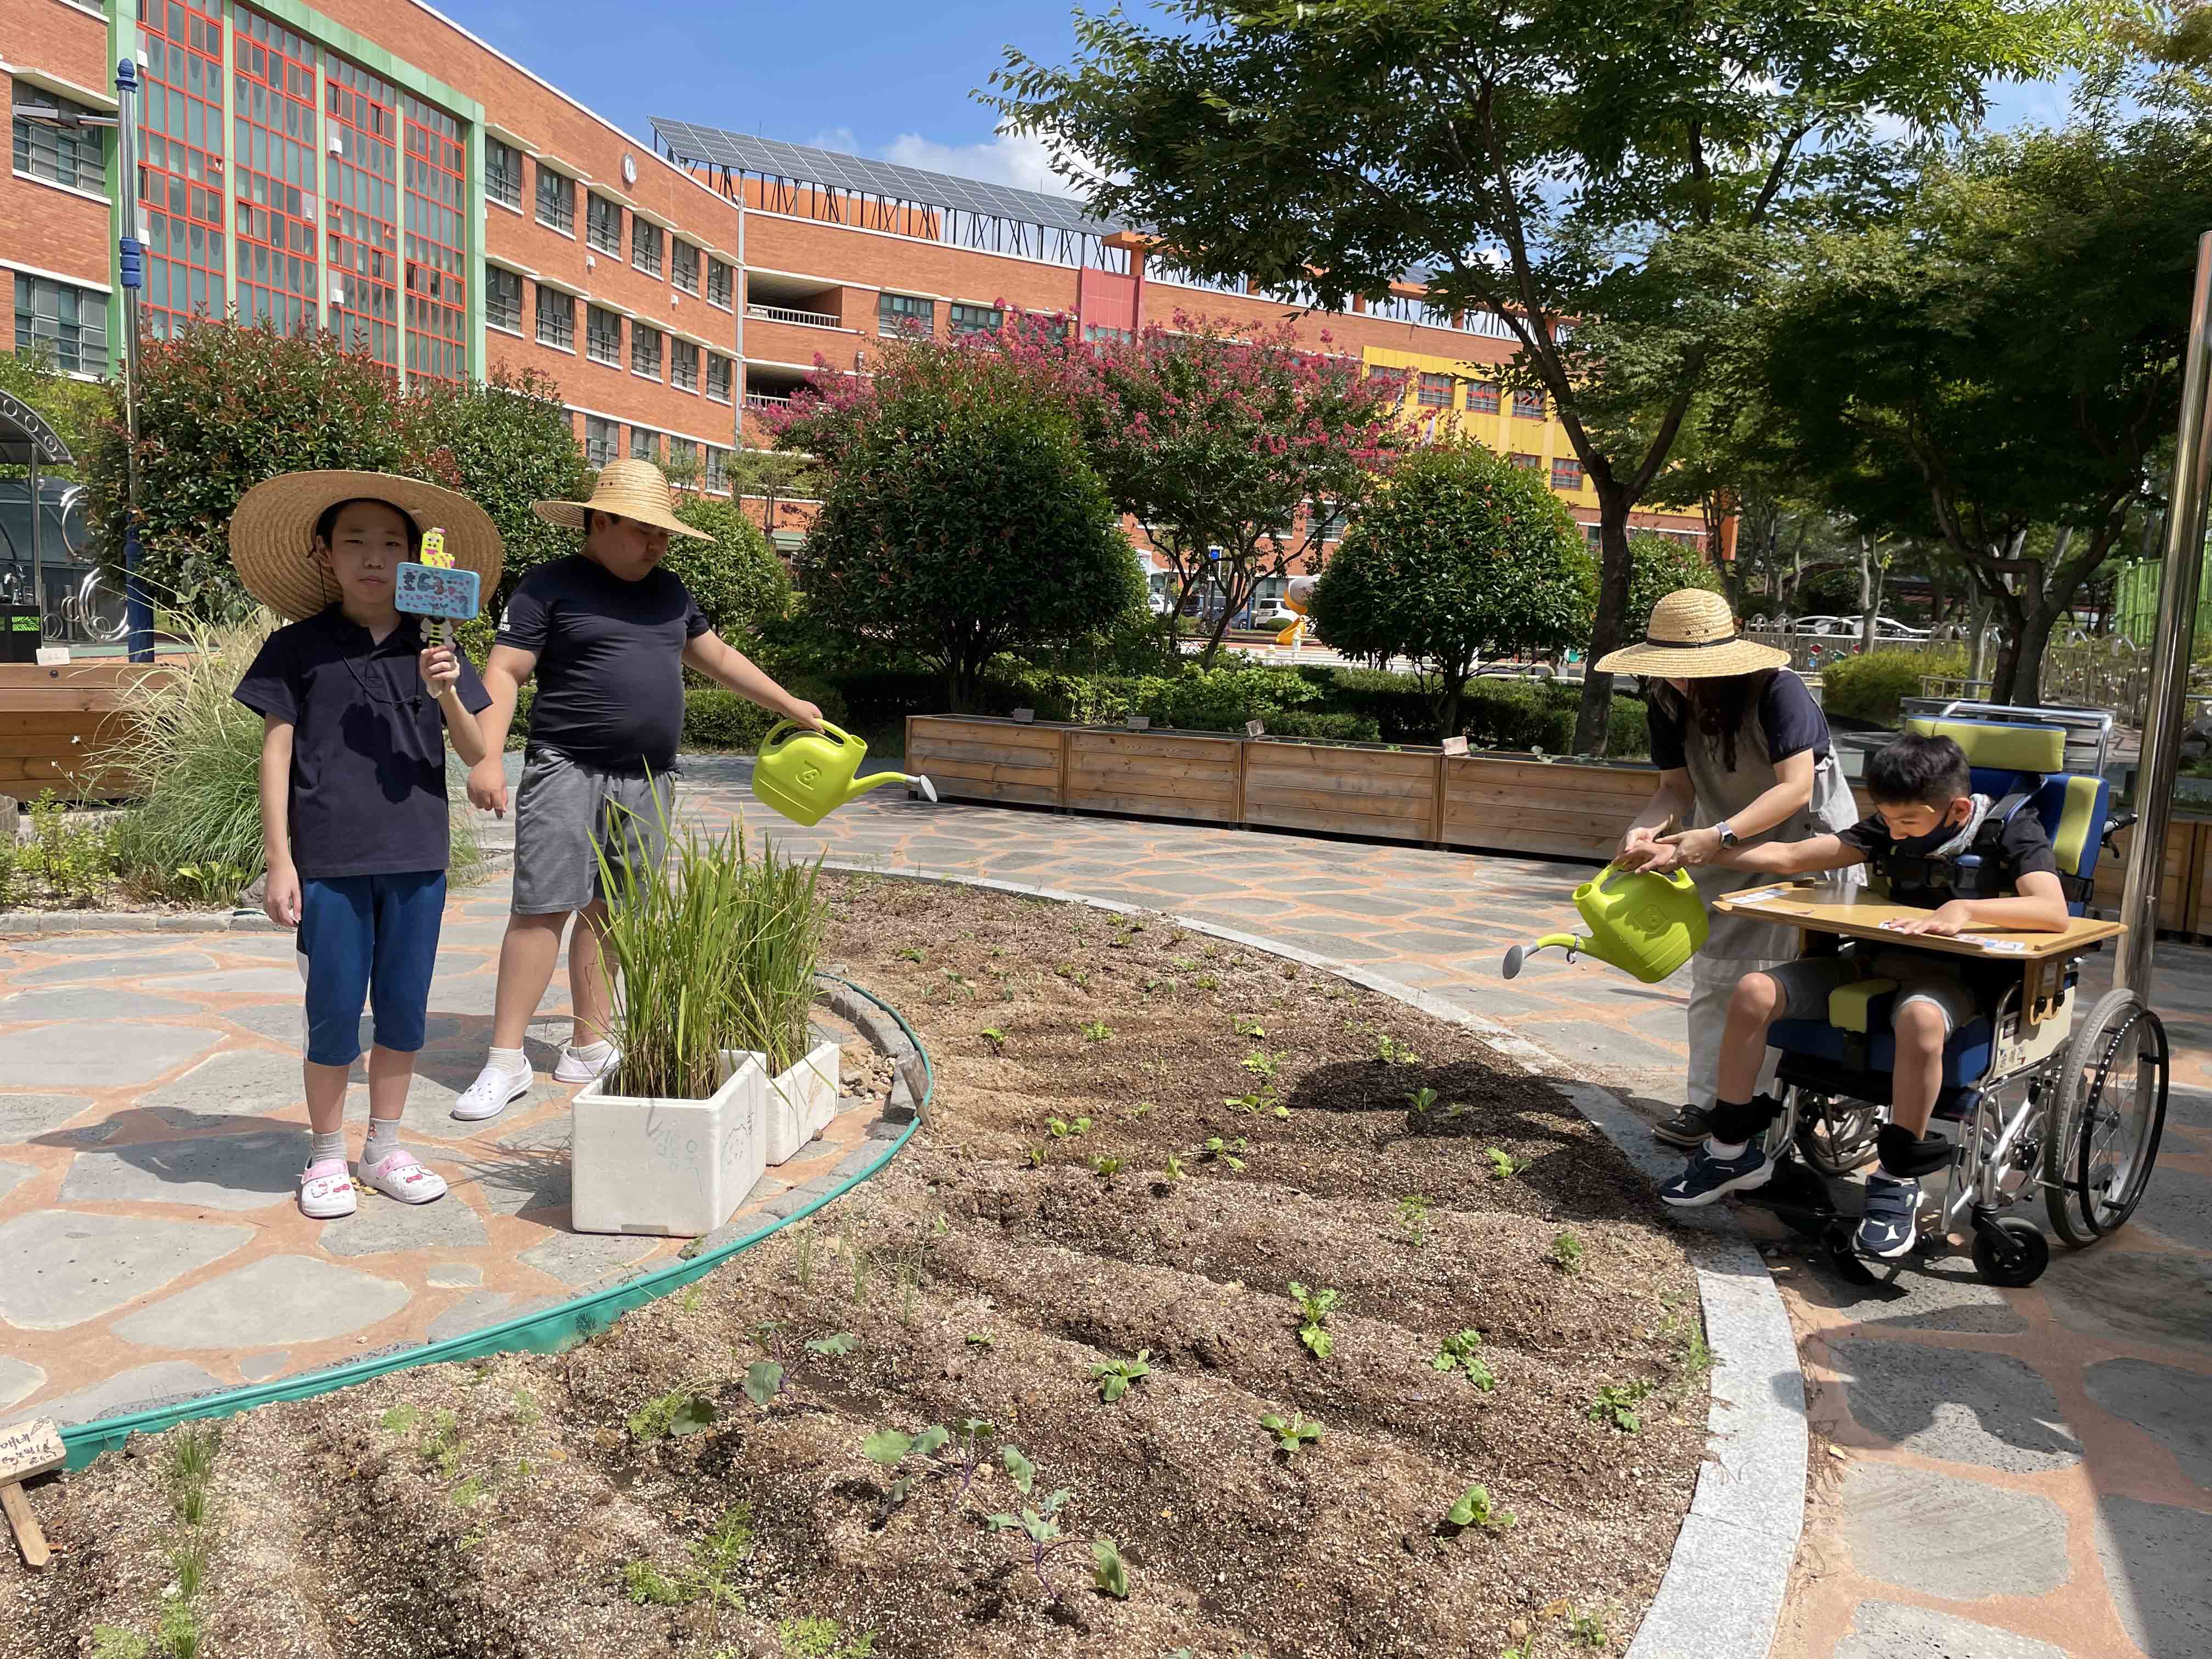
{"points": [[737, 578], [1873, 685]]}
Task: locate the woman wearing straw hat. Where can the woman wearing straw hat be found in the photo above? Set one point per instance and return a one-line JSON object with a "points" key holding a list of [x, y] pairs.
{"points": [[608, 633], [353, 785], [1744, 756]]}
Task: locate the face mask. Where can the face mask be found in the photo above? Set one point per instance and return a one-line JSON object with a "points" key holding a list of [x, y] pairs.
{"points": [[1945, 837]]}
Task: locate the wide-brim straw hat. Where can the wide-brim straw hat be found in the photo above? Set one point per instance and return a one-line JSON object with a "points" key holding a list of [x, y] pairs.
{"points": [[1692, 636], [272, 533], [637, 490]]}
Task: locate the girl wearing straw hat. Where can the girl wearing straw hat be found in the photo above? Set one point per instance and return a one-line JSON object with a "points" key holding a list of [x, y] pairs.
{"points": [[609, 634], [356, 708], [1744, 757]]}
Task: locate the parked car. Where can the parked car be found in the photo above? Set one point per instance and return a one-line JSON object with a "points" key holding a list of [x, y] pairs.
{"points": [[1885, 628]]}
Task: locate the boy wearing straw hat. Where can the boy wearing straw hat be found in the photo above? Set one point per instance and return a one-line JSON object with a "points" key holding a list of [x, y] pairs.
{"points": [[608, 633], [356, 707]]}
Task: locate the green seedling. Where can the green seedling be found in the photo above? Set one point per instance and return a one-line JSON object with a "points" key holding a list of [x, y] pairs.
{"points": [[1414, 1217], [764, 1381], [1504, 1166], [834, 1347], [1104, 1167], [1206, 981], [1293, 1435], [1114, 1378], [1314, 1309], [912, 953], [996, 1037], [1225, 1150], [814, 1637], [443, 1446], [1247, 1028], [1098, 1031], [705, 1577], [1035, 1157], [689, 1300], [1458, 1354], [1261, 1064], [981, 1339], [1061, 1129], [1109, 1571], [526, 1414], [179, 1634], [1474, 1508], [1143, 1109], [1615, 1406], [1391, 1052], [1567, 1252], [113, 1642], [470, 1493], [1421, 1100], [802, 1258], [1039, 1521], [1175, 1171], [1589, 1630], [401, 1419], [890, 1447], [676, 1414]]}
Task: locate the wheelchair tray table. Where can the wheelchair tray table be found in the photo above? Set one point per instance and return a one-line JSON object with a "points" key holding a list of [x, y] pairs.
{"points": [[1794, 906]]}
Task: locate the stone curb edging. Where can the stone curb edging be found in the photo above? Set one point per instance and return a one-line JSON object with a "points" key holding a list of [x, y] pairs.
{"points": [[1729, 1571]]}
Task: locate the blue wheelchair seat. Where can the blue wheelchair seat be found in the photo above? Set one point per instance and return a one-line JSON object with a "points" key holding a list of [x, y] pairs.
{"points": [[1966, 1053]]}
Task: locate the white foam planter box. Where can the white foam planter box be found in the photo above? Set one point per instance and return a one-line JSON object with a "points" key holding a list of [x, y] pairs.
{"points": [[672, 1168], [801, 1101]]}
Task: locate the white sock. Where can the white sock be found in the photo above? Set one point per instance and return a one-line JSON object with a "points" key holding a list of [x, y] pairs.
{"points": [[598, 1050], [383, 1139], [1724, 1150], [320, 1147], [513, 1061]]}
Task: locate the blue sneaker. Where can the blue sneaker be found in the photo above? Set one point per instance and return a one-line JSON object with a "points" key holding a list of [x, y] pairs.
{"points": [[1708, 1178], [1891, 1223]]}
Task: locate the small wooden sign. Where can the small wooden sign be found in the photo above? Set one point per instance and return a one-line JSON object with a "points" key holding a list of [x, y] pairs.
{"points": [[1024, 716], [1455, 746], [1139, 722], [27, 1449], [1256, 728]]}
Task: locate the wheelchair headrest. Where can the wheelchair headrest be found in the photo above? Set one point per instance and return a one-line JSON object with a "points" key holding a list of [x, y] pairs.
{"points": [[1996, 746]]}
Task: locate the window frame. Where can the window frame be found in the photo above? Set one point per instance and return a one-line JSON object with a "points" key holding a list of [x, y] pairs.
{"points": [[679, 377], [501, 149], [639, 335], [607, 440], [1483, 396], [1527, 463], [597, 209], [676, 278], [728, 284], [594, 335], [961, 327], [563, 222], [28, 338], [1574, 477], [564, 304], [1529, 405], [495, 278], [26, 134], [1433, 390], [646, 237], [729, 368], [915, 318], [645, 444]]}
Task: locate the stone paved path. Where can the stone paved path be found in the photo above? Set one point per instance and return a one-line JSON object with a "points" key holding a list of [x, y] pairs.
{"points": [[2016, 1475], [152, 1127]]}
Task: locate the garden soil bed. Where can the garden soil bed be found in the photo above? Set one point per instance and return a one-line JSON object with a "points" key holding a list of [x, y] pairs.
{"points": [[983, 1275]]}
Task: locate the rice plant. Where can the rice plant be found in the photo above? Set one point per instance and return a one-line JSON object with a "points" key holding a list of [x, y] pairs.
{"points": [[779, 922]]}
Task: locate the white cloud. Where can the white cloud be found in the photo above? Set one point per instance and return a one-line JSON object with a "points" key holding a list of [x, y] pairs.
{"points": [[1022, 160]]}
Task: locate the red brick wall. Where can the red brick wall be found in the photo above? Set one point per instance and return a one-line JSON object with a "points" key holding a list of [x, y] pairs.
{"points": [[53, 230], [906, 266]]}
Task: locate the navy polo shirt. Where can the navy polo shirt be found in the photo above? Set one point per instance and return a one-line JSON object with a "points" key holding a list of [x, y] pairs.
{"points": [[368, 745]]}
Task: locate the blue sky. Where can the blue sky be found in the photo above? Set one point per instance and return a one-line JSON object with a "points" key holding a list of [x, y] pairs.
{"points": [[863, 77]]}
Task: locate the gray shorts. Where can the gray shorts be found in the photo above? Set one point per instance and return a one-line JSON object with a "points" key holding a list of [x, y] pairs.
{"points": [[1805, 985], [565, 814]]}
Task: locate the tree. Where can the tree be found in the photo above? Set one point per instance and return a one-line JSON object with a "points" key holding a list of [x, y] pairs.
{"points": [[2003, 360], [960, 520], [72, 407], [737, 578], [1659, 565], [1461, 553], [774, 476], [503, 444], [1602, 175]]}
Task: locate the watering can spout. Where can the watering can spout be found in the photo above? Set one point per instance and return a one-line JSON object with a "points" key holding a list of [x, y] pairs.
{"points": [[860, 787]]}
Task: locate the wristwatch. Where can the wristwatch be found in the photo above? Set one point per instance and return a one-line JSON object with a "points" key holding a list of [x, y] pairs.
{"points": [[1728, 837]]}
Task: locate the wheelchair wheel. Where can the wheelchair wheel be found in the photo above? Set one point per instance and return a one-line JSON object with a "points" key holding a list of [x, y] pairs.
{"points": [[1836, 1137], [2011, 1252], [2109, 1117]]}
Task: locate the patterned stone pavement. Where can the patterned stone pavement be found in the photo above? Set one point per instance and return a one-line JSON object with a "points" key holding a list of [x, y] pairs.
{"points": [[2015, 1474], [152, 1127]]}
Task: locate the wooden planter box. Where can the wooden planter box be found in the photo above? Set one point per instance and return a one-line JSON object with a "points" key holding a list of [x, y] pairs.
{"points": [[1362, 790], [53, 720], [2184, 889], [1150, 775], [1555, 809]]}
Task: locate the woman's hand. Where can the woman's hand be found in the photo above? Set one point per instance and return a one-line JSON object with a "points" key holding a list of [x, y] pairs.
{"points": [[279, 896], [440, 670], [1694, 847]]}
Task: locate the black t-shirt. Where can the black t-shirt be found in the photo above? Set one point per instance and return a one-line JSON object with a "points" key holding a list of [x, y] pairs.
{"points": [[610, 662], [1793, 723], [368, 745], [2021, 843]]}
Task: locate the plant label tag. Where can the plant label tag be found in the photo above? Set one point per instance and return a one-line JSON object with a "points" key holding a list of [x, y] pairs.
{"points": [[1256, 728], [1139, 722], [430, 590], [1455, 746], [30, 1448], [52, 656], [1024, 716]]}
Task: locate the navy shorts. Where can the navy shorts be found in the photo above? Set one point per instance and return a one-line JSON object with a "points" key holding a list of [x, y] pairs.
{"points": [[373, 939]]}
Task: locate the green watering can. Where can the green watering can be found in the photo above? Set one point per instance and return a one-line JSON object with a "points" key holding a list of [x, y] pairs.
{"points": [[806, 775], [1646, 923]]}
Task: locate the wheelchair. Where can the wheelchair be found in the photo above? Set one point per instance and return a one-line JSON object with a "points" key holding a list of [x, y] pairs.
{"points": [[2036, 1096]]}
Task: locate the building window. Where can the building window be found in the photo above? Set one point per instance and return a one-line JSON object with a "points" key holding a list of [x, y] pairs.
{"points": [[436, 203], [602, 441], [718, 377], [76, 156], [645, 350], [1096, 331], [684, 463], [1325, 521], [502, 172], [683, 365], [361, 243], [976, 320], [69, 324], [603, 335], [684, 264], [273, 175], [181, 164], [1482, 397], [557, 200], [720, 282], [1529, 405], [1526, 463], [644, 446], [718, 470], [502, 299], [556, 319], [1566, 473], [902, 313], [603, 224], [1436, 391], [1394, 380], [644, 245]]}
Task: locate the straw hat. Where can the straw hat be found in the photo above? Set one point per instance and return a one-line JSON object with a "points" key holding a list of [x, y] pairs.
{"points": [[1692, 636], [272, 533], [637, 490]]}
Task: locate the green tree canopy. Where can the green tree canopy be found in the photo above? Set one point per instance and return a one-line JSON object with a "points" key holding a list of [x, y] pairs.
{"points": [[1604, 176], [737, 580], [1659, 565], [960, 520], [1461, 553]]}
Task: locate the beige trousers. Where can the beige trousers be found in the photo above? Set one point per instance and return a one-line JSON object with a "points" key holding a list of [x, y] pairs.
{"points": [[1712, 982]]}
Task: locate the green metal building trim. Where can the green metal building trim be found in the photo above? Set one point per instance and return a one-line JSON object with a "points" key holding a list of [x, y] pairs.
{"points": [[370, 55], [122, 42]]}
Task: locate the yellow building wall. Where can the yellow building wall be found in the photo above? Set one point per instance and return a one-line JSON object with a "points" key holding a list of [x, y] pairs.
{"points": [[1503, 432]]}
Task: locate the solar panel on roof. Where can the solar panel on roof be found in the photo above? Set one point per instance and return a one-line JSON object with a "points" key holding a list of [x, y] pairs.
{"points": [[743, 153]]}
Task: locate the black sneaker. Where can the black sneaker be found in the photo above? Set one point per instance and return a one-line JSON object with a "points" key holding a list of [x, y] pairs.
{"points": [[1708, 1178], [1688, 1128], [1891, 1223]]}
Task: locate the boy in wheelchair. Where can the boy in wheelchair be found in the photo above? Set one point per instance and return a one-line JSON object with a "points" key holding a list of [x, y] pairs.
{"points": [[1969, 863]]}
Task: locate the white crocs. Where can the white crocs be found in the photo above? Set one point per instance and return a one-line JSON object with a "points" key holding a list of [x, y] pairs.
{"points": [[492, 1093], [575, 1066], [400, 1176], [326, 1190]]}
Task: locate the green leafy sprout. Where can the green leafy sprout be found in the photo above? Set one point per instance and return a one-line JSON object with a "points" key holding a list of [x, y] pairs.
{"points": [[1314, 1309], [1293, 1434], [1115, 1377]]}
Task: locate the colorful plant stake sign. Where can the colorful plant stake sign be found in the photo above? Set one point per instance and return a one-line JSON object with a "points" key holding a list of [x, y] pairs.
{"points": [[436, 588], [27, 1449]]}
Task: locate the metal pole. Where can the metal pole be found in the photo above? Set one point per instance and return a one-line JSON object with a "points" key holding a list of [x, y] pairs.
{"points": [[37, 548], [131, 267], [2167, 708]]}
